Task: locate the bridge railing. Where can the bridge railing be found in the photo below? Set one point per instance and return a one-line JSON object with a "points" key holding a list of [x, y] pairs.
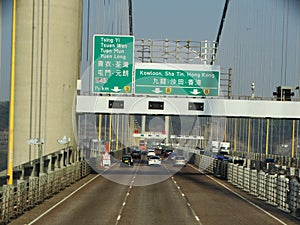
{"points": [[32, 186], [27, 193], [279, 188]]}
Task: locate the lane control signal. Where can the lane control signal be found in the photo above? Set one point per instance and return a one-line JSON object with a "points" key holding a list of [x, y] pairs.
{"points": [[156, 105], [198, 106], [113, 104]]}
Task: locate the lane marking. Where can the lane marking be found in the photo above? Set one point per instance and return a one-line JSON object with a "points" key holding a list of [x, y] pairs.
{"points": [[128, 193], [64, 199], [240, 196], [187, 201]]}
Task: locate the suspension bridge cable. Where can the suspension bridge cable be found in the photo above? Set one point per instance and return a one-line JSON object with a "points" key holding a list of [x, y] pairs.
{"points": [[273, 28], [286, 40], [297, 73], [220, 28], [264, 44], [130, 17], [282, 43]]}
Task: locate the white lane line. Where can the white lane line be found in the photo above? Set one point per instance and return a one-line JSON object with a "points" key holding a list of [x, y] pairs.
{"points": [[127, 194], [240, 196], [187, 202], [64, 199]]}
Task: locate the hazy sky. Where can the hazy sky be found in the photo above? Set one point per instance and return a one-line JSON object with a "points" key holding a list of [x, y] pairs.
{"points": [[197, 20], [260, 39], [5, 50]]}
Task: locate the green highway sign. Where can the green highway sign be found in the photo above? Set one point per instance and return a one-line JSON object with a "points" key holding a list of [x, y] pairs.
{"points": [[113, 63], [177, 79]]}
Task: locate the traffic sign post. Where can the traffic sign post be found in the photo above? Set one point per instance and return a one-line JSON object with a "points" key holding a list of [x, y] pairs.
{"points": [[177, 79], [113, 63]]}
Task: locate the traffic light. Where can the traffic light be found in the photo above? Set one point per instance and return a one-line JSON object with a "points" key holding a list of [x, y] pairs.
{"points": [[287, 94], [284, 93], [278, 93]]}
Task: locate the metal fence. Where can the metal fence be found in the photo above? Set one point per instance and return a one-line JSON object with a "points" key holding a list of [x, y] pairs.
{"points": [[282, 189], [26, 194]]}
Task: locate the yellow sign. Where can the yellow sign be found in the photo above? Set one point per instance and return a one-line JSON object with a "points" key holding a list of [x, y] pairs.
{"points": [[168, 90], [127, 89], [206, 91]]}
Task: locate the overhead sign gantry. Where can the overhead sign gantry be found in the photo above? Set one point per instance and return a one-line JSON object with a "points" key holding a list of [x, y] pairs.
{"points": [[164, 88], [114, 71]]}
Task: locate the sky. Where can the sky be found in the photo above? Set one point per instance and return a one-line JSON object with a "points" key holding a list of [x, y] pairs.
{"points": [[197, 20], [5, 50], [260, 39]]}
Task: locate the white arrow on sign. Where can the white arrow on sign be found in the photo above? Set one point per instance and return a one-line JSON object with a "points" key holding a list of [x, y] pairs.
{"points": [[195, 92], [116, 89], [157, 90]]}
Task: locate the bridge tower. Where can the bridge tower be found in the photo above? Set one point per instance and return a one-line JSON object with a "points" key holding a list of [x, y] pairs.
{"points": [[48, 46]]}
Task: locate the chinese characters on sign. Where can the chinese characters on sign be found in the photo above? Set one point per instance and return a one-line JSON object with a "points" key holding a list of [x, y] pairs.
{"points": [[177, 79], [113, 63], [113, 68]]}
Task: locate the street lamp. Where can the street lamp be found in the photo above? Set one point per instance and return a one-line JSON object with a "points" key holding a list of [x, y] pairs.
{"points": [[252, 90], [39, 143], [65, 141]]}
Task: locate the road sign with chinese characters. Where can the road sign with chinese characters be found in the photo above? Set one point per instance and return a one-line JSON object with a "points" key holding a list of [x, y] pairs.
{"points": [[113, 63], [177, 79]]}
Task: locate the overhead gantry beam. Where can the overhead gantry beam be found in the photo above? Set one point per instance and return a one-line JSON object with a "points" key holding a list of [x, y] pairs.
{"points": [[187, 106]]}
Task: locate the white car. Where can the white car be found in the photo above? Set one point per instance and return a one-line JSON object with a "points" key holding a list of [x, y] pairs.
{"points": [[151, 152], [154, 160]]}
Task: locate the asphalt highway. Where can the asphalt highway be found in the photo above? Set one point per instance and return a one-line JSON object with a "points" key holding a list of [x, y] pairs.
{"points": [[144, 195]]}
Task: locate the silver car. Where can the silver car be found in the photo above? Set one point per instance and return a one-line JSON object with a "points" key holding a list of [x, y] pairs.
{"points": [[179, 161]]}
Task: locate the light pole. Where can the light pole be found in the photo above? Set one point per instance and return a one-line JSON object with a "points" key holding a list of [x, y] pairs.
{"points": [[65, 141], [39, 143], [252, 90]]}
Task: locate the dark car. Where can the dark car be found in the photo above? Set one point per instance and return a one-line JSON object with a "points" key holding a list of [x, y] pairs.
{"points": [[126, 160], [136, 154], [168, 152]]}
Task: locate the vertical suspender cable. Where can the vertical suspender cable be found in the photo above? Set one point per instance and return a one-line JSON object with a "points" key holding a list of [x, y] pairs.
{"points": [[12, 98], [267, 137], [88, 30], [293, 138], [96, 16], [118, 30], [272, 45], [103, 20], [282, 42], [297, 72], [264, 45], [286, 40], [130, 17], [249, 136]]}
